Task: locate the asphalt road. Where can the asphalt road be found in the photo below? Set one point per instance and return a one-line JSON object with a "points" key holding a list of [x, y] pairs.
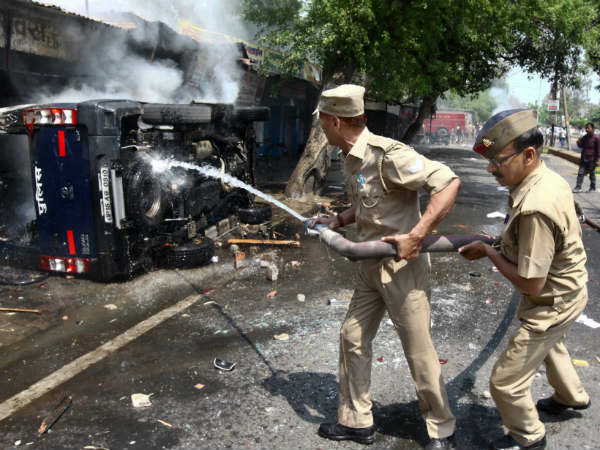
{"points": [[165, 329]]}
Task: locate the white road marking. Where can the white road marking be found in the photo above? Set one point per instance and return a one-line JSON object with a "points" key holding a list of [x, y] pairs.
{"points": [[22, 399]]}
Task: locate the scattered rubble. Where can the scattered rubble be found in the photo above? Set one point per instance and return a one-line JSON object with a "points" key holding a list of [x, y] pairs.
{"points": [[336, 302], [223, 365], [141, 400], [272, 270], [51, 419]]}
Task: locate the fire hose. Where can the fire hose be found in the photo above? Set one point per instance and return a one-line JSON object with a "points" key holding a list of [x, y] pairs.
{"points": [[381, 249]]}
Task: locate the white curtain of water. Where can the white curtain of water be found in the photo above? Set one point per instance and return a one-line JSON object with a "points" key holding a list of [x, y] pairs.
{"points": [[213, 172]]}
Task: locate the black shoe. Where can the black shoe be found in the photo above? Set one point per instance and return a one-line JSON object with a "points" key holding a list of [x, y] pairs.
{"points": [[508, 443], [440, 443], [592, 190], [338, 432], [551, 406]]}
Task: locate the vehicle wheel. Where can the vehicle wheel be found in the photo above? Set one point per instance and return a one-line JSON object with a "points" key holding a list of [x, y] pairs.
{"points": [[252, 113], [146, 201], [165, 114], [193, 254], [255, 214]]}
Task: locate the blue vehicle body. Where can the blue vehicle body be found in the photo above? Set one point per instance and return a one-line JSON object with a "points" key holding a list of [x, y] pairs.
{"points": [[100, 211]]}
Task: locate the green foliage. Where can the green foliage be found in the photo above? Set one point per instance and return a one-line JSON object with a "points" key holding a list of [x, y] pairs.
{"points": [[423, 48], [552, 37]]}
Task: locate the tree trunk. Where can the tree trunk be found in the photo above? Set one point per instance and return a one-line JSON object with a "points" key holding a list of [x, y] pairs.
{"points": [[310, 173], [425, 109]]}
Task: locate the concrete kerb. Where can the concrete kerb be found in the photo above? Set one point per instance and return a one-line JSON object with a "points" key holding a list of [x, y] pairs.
{"points": [[565, 154]]}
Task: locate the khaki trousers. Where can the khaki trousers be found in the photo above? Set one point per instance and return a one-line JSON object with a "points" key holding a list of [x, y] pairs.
{"points": [[538, 339], [401, 289]]}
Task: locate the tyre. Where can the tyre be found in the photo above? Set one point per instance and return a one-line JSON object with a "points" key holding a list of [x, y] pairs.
{"points": [[252, 113], [165, 114], [255, 214], [146, 201], [192, 254]]}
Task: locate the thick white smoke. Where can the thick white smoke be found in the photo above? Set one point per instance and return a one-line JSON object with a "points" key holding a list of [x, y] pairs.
{"points": [[157, 80]]}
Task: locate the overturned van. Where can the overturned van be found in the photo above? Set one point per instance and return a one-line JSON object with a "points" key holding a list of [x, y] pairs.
{"points": [[103, 210]]}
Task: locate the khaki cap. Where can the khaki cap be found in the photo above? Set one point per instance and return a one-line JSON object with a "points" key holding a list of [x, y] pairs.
{"points": [[343, 101], [503, 128]]}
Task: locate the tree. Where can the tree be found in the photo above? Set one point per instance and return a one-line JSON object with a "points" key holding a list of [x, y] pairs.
{"points": [[417, 48]]}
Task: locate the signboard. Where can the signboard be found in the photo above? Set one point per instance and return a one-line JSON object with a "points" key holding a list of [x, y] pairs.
{"points": [[553, 105], [30, 35]]}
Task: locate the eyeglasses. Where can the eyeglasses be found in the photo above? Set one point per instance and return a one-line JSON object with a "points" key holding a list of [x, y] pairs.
{"points": [[499, 162]]}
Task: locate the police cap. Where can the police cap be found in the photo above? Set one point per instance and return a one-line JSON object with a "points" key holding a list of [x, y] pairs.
{"points": [[503, 128], [343, 101]]}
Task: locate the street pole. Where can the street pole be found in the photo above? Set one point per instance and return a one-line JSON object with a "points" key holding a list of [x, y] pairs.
{"points": [[553, 95], [564, 96]]}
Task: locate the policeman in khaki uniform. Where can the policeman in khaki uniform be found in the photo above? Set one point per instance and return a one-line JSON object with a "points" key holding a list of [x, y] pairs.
{"points": [[383, 178], [541, 253]]}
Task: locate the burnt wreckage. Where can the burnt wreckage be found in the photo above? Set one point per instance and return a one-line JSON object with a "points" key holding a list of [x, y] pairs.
{"points": [[102, 211]]}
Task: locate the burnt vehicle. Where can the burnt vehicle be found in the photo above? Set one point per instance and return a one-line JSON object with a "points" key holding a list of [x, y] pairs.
{"points": [[103, 210]]}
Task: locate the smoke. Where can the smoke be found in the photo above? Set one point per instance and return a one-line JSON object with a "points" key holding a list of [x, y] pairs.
{"points": [[141, 61], [504, 99]]}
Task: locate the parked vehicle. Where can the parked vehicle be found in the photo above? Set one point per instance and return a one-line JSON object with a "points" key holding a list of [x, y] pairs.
{"points": [[102, 211], [442, 126]]}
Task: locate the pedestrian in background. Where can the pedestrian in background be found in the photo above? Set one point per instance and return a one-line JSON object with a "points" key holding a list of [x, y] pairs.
{"points": [[589, 144], [383, 180], [542, 254], [563, 137]]}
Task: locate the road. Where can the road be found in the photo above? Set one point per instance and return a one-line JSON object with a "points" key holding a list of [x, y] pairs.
{"points": [[164, 329]]}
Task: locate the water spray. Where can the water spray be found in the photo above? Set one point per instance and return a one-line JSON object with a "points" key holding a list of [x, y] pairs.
{"points": [[334, 240]]}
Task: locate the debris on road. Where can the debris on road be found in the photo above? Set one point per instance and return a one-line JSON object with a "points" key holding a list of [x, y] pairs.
{"points": [[166, 424], [300, 297], [295, 263], [581, 363], [486, 394], [35, 311], [284, 243], [585, 320], [442, 361], [214, 259], [51, 419], [239, 258], [494, 269], [282, 337], [271, 294], [198, 386], [336, 302], [223, 365], [272, 270], [141, 400], [496, 215], [110, 307], [475, 274], [380, 359], [489, 301]]}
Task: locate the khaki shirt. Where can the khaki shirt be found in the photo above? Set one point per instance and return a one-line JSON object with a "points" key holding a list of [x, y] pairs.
{"points": [[387, 200], [542, 235]]}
